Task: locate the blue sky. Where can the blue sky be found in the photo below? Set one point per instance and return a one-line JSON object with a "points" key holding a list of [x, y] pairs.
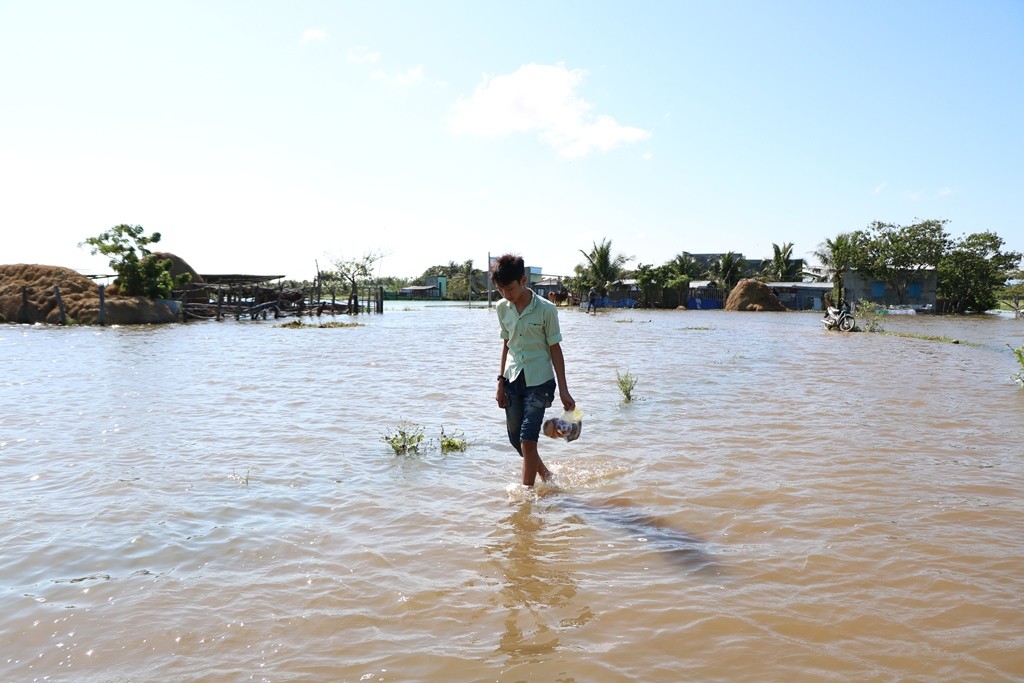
{"points": [[261, 137]]}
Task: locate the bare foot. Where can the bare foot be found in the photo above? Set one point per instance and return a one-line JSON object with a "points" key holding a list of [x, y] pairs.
{"points": [[545, 474]]}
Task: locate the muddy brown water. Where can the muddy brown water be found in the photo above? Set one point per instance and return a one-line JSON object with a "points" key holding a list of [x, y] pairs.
{"points": [[214, 502]]}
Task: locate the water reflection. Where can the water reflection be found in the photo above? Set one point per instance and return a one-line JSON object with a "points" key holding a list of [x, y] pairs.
{"points": [[533, 559]]}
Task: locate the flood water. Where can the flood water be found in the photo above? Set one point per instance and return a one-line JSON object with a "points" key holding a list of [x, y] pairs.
{"points": [[215, 502]]}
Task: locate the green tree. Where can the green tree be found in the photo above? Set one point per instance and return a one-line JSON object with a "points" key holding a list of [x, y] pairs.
{"points": [[650, 282], [139, 271], [1012, 293], [461, 280], [728, 270], [353, 271], [782, 267], [898, 254], [684, 264], [973, 270], [602, 268], [836, 257]]}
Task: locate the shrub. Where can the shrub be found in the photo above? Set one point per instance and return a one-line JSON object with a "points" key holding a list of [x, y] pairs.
{"points": [[452, 443], [626, 382], [1018, 377], [405, 439]]}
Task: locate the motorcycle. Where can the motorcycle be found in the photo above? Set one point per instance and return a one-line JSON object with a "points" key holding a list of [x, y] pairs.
{"points": [[839, 318]]}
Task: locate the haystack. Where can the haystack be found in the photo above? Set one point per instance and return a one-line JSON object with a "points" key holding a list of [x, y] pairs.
{"points": [[751, 295], [27, 295]]}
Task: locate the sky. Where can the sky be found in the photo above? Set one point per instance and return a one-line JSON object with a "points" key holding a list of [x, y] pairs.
{"points": [[271, 137]]}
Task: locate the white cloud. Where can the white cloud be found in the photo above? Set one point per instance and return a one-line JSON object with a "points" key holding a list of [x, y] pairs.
{"points": [[647, 156], [945, 191], [542, 99], [360, 55], [311, 34], [878, 190]]}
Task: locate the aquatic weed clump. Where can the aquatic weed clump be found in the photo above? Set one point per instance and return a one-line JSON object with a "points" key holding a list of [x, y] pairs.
{"points": [[626, 382], [405, 439], [408, 438], [454, 442], [1018, 377]]}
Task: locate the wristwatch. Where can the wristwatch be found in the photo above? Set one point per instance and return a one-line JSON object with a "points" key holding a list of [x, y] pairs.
{"points": [[501, 377]]}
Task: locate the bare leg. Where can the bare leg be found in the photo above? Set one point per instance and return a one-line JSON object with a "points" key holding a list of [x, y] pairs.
{"points": [[532, 464]]}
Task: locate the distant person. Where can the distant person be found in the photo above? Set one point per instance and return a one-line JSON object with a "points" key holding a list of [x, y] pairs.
{"points": [[592, 301], [531, 362]]}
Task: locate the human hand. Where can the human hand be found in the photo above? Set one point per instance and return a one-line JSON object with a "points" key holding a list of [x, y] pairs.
{"points": [[500, 395], [567, 400]]}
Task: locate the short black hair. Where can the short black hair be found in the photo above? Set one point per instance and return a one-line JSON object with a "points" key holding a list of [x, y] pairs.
{"points": [[508, 268]]}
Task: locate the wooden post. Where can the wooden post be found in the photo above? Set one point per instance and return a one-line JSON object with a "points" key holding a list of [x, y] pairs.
{"points": [[220, 304], [63, 319], [23, 317], [102, 315]]}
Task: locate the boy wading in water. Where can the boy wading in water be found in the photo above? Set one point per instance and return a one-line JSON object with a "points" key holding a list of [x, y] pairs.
{"points": [[531, 361]]}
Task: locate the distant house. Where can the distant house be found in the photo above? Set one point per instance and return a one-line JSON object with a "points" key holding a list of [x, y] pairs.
{"points": [[801, 296], [420, 292], [547, 284], [705, 294], [921, 294], [623, 294]]}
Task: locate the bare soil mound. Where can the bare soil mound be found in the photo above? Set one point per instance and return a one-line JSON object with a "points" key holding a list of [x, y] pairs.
{"points": [[28, 294], [751, 295]]}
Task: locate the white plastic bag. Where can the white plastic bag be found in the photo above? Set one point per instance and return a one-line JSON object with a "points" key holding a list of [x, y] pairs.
{"points": [[567, 427]]}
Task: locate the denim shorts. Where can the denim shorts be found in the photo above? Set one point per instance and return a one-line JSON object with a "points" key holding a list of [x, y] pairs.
{"points": [[524, 409]]}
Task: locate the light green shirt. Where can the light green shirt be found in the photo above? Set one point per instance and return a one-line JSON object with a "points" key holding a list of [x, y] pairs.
{"points": [[530, 335]]}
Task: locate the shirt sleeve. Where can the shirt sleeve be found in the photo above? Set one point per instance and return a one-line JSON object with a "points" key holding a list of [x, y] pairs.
{"points": [[552, 331], [501, 323]]}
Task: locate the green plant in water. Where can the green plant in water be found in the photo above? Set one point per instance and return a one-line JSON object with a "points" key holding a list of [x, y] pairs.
{"points": [[453, 443], [405, 439], [868, 318], [626, 382], [298, 324], [1018, 377]]}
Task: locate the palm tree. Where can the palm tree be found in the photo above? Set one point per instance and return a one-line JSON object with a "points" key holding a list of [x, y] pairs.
{"points": [[728, 270], [685, 265], [782, 267], [836, 256], [602, 268]]}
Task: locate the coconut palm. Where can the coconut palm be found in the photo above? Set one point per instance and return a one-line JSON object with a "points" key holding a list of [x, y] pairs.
{"points": [[728, 270], [685, 265], [601, 268], [836, 256], [781, 267]]}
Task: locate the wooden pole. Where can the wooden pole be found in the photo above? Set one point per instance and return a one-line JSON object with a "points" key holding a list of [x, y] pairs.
{"points": [[23, 317], [102, 316], [63, 319]]}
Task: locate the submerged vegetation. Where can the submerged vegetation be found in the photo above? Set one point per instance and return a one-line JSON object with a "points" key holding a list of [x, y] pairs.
{"points": [[298, 324], [1018, 377], [408, 437], [454, 442], [626, 382], [405, 439]]}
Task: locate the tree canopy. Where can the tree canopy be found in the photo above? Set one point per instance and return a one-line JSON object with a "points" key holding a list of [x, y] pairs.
{"points": [[836, 256], [139, 271], [601, 267], [898, 254], [973, 270], [782, 267]]}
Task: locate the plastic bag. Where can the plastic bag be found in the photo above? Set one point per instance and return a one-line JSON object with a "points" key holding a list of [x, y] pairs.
{"points": [[567, 427]]}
